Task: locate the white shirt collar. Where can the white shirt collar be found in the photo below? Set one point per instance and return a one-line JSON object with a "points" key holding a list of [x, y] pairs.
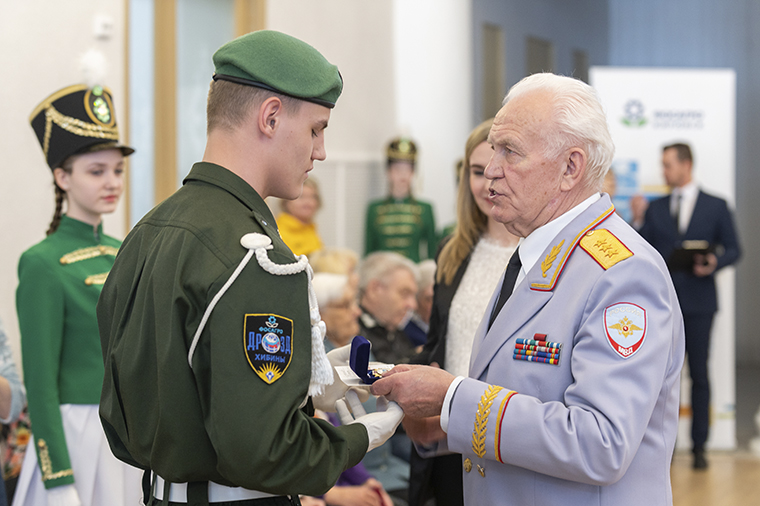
{"points": [[688, 191], [533, 246]]}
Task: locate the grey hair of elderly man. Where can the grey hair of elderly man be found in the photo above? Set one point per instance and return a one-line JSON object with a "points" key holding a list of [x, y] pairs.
{"points": [[579, 120]]}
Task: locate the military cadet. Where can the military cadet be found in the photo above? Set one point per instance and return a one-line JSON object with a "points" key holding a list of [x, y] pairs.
{"points": [[211, 333], [572, 394], [60, 279], [400, 222]]}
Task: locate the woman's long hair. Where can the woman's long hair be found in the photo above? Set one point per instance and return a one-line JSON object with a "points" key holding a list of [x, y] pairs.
{"points": [[471, 222]]}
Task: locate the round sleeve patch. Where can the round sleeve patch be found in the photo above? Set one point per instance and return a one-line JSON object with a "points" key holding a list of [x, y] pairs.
{"points": [[626, 327]]}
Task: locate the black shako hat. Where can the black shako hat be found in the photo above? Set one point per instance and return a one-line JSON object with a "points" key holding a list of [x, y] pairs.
{"points": [[401, 149], [76, 119]]}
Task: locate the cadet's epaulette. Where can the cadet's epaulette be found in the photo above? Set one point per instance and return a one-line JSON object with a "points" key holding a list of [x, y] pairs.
{"points": [[554, 262], [604, 247]]}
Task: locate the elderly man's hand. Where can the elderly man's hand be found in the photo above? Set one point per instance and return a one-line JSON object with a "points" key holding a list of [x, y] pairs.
{"points": [[418, 389]]}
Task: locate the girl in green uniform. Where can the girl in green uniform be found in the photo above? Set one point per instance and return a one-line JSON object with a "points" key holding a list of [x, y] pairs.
{"points": [[60, 279]]}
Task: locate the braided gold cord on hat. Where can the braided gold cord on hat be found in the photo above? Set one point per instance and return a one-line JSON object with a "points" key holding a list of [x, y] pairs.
{"points": [[76, 127]]}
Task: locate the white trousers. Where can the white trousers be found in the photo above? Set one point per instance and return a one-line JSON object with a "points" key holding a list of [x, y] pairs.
{"points": [[99, 477]]}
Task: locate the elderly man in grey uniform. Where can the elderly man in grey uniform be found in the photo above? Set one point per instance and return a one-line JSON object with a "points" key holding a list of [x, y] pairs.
{"points": [[572, 395]]}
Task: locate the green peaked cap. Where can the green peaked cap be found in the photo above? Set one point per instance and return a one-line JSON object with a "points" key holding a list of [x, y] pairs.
{"points": [[281, 63]]}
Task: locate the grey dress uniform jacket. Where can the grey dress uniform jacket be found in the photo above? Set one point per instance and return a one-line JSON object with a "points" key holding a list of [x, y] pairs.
{"points": [[594, 419]]}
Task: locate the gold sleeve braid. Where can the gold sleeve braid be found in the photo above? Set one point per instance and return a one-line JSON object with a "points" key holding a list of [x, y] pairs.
{"points": [[46, 465], [481, 420]]}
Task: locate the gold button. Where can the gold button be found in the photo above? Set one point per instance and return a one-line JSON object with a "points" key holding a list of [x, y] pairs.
{"points": [[482, 471], [467, 465]]}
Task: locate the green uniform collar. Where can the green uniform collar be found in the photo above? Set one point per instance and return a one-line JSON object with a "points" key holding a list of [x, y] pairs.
{"points": [[227, 180], [406, 200], [80, 229]]}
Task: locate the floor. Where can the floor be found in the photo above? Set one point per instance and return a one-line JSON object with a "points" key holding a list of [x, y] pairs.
{"points": [[747, 404], [733, 478]]}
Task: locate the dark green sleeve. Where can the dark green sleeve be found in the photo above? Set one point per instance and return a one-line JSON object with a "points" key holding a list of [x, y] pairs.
{"points": [[262, 439], [429, 232], [40, 306], [370, 233]]}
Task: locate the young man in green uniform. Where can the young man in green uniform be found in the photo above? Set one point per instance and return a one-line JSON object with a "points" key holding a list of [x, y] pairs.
{"points": [[211, 341], [400, 222]]}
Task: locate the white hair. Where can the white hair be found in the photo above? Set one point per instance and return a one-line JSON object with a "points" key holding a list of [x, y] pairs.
{"points": [[380, 265], [579, 118], [426, 268], [329, 287]]}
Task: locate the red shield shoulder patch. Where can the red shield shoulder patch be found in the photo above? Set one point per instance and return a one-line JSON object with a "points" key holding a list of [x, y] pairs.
{"points": [[625, 325]]}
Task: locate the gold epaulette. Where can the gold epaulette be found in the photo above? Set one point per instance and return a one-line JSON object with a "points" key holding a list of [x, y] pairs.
{"points": [[86, 253], [604, 247]]}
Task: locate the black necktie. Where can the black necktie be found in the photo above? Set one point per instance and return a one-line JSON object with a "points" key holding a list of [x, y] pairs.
{"points": [[513, 269], [677, 212]]}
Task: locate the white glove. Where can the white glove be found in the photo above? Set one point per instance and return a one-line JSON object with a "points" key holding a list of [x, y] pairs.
{"points": [[65, 495], [326, 401], [380, 425]]}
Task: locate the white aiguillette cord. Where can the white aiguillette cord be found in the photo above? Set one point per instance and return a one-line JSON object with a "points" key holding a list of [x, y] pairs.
{"points": [[258, 244]]}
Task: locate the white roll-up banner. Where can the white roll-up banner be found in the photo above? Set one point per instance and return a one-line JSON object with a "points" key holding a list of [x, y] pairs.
{"points": [[648, 108]]}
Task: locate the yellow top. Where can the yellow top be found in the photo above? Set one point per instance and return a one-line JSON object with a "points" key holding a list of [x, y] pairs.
{"points": [[300, 237]]}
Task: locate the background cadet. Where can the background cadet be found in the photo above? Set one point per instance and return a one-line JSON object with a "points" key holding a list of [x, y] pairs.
{"points": [[60, 279], [400, 222]]}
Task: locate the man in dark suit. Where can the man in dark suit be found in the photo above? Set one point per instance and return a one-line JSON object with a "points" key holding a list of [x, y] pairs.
{"points": [[689, 214]]}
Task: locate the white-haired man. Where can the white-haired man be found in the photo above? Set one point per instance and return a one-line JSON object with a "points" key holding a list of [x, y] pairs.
{"points": [[573, 390], [387, 293]]}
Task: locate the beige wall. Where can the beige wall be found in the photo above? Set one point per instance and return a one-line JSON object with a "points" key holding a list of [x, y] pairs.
{"points": [[363, 51], [40, 45]]}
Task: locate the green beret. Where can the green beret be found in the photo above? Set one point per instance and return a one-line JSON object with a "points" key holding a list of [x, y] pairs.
{"points": [[280, 63]]}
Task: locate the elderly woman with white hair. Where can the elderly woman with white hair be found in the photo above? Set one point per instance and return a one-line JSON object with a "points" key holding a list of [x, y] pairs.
{"points": [[338, 306]]}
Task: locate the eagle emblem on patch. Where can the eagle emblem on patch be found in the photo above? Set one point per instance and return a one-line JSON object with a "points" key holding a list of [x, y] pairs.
{"points": [[268, 344], [626, 327]]}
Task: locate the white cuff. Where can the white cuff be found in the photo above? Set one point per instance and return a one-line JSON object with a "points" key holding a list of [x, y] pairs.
{"points": [[447, 403], [64, 495]]}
